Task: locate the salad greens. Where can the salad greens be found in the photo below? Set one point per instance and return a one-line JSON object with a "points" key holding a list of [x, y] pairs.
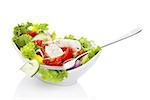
{"points": [[86, 44], [53, 35], [40, 27], [22, 28], [90, 54], [29, 50], [70, 36], [22, 40], [52, 75]]}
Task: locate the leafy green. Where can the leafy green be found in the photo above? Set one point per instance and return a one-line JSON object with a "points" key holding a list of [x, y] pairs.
{"points": [[90, 54], [70, 36], [22, 29], [22, 40], [52, 75], [29, 50], [86, 44], [53, 35], [42, 26], [85, 59]]}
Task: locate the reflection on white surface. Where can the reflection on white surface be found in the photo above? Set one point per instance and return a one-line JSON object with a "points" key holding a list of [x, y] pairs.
{"points": [[35, 88]]}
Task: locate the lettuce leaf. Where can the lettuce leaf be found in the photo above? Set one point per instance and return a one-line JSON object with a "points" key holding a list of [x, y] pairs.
{"points": [[22, 40], [52, 75], [86, 44], [22, 28], [40, 27], [70, 36], [90, 54], [53, 35], [29, 50]]}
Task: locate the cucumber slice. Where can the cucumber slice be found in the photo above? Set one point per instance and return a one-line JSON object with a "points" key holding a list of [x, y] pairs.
{"points": [[31, 68]]}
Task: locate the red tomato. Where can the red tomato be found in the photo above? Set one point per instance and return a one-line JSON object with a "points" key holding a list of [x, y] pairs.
{"points": [[53, 61], [80, 52], [38, 42], [64, 49], [68, 53], [44, 53], [44, 45], [32, 33], [58, 61]]}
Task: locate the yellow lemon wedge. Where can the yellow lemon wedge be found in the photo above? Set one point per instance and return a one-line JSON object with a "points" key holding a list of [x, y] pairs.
{"points": [[38, 58]]}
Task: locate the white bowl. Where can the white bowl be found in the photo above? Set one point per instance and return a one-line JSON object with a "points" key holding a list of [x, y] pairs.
{"points": [[73, 74]]}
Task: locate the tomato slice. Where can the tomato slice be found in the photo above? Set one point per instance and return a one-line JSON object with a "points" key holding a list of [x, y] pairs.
{"points": [[38, 42], [68, 53], [53, 61], [32, 33]]}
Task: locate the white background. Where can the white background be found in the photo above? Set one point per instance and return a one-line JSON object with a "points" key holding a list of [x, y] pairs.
{"points": [[121, 73]]}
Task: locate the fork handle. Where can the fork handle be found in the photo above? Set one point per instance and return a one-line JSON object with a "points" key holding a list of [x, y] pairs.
{"points": [[130, 34]]}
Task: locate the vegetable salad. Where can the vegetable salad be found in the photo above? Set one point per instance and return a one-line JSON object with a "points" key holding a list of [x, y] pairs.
{"points": [[35, 43]]}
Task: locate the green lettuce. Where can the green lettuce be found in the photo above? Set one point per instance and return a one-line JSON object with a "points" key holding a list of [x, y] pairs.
{"points": [[29, 50], [91, 53], [22, 29], [53, 35], [40, 27], [70, 36], [22, 40], [85, 43], [52, 75]]}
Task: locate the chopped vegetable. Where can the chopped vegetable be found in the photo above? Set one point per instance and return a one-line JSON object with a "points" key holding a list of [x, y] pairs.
{"points": [[85, 59], [52, 75], [38, 58], [74, 44], [22, 28], [53, 36], [33, 33], [43, 37], [40, 27], [30, 68], [68, 53], [70, 36], [86, 44], [22, 40], [53, 61], [29, 50], [91, 53]]}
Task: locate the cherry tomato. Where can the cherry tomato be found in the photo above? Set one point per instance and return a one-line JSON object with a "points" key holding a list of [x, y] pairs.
{"points": [[32, 33]]}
